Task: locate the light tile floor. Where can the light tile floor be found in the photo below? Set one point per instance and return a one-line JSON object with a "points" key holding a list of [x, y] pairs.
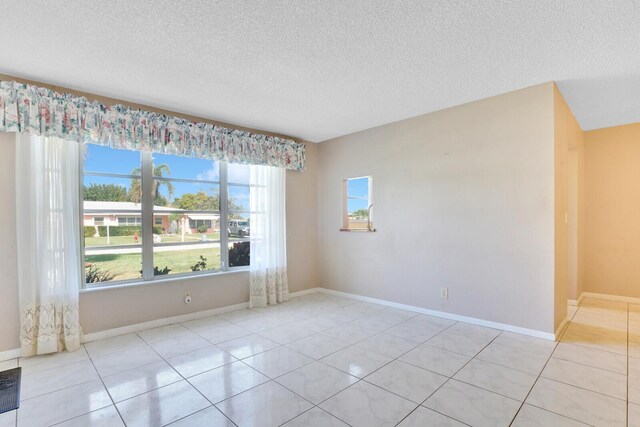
{"points": [[321, 360]]}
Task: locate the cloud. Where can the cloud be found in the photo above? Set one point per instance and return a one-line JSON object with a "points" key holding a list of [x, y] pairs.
{"points": [[238, 174], [211, 174]]}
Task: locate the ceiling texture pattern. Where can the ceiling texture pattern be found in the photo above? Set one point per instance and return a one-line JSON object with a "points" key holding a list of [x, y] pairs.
{"points": [[321, 69]]}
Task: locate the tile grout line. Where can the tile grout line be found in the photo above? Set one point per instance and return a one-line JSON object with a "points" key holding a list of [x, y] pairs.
{"points": [[362, 379], [456, 372], [71, 386], [105, 387], [391, 361], [540, 375], [186, 378], [350, 345], [270, 379], [333, 367], [100, 377]]}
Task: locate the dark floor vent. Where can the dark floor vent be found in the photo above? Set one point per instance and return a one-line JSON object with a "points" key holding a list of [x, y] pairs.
{"points": [[10, 390]]}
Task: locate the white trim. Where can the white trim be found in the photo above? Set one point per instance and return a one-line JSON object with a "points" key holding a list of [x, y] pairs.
{"points": [[137, 327], [12, 354], [9, 354], [561, 327], [305, 292], [473, 320], [632, 300]]}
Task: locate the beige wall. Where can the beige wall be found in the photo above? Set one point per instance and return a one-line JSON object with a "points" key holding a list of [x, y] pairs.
{"points": [[111, 308], [612, 194], [9, 314], [463, 199]]}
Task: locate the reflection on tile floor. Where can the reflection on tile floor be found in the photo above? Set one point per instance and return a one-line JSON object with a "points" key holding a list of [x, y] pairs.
{"points": [[322, 360]]}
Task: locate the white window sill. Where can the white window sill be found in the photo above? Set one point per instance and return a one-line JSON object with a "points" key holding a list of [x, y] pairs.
{"points": [[359, 230], [164, 280]]}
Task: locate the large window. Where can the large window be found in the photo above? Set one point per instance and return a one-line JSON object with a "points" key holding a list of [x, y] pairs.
{"points": [[151, 215]]}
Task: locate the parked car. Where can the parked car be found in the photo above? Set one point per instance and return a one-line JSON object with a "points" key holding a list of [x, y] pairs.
{"points": [[239, 228]]}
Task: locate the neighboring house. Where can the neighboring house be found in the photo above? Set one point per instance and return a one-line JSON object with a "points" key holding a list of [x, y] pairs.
{"points": [[116, 214]]}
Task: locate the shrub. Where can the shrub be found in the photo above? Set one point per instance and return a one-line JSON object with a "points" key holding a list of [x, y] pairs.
{"points": [[202, 228], [158, 272], [200, 265], [89, 231], [240, 254], [94, 275], [122, 230]]}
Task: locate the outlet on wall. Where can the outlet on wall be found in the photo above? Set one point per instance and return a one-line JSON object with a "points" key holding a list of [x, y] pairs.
{"points": [[444, 293]]}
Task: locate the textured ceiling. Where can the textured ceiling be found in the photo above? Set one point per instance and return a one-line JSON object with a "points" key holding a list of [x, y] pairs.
{"points": [[320, 69]]}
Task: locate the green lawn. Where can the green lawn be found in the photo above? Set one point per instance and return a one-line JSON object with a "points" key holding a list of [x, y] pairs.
{"points": [[128, 266], [165, 238]]}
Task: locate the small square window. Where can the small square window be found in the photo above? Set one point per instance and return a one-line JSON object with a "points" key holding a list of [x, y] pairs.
{"points": [[357, 204], [98, 220]]}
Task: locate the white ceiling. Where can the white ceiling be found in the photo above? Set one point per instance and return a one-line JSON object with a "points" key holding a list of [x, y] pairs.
{"points": [[321, 69]]}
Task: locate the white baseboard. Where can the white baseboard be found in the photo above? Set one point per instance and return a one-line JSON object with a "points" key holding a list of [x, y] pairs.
{"points": [[129, 329], [12, 354], [631, 300], [9, 354], [137, 327], [305, 292], [473, 320], [561, 327]]}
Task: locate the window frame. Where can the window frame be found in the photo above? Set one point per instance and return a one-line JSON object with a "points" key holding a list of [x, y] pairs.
{"points": [[345, 205], [147, 244]]}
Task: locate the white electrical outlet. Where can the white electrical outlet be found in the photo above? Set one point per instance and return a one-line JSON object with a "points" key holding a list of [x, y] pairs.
{"points": [[444, 293], [187, 297]]}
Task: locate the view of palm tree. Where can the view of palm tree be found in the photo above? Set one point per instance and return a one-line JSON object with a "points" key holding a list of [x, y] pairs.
{"points": [[163, 170]]}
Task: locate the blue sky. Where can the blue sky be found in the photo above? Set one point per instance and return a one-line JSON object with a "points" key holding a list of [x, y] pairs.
{"points": [[358, 193], [109, 160], [105, 159]]}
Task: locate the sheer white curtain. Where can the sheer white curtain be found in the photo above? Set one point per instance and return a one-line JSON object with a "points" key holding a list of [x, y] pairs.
{"points": [[268, 269], [47, 221]]}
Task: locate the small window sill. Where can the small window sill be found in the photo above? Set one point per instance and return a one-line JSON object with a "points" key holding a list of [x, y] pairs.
{"points": [[163, 280], [359, 230]]}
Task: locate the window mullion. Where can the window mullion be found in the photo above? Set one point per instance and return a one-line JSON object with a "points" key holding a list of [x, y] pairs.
{"points": [[147, 215], [224, 220]]}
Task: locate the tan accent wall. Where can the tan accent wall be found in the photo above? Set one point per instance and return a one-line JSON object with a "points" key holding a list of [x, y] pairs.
{"points": [[561, 142], [464, 200], [612, 194], [569, 204], [111, 308]]}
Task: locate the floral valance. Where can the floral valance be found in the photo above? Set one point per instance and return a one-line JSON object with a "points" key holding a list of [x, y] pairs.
{"points": [[35, 110]]}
